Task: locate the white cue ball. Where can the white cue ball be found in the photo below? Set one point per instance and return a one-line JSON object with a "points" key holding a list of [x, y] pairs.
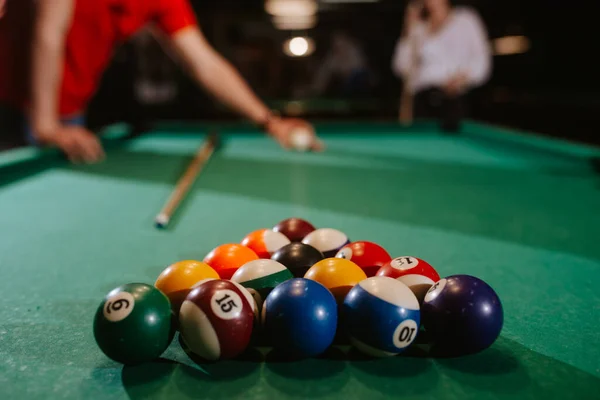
{"points": [[301, 139]]}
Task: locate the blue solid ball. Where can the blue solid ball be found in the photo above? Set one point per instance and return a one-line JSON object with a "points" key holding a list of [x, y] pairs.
{"points": [[300, 317], [462, 315]]}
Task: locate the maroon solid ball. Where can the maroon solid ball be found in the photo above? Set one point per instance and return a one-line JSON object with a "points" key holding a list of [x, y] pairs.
{"points": [[216, 319], [294, 228]]}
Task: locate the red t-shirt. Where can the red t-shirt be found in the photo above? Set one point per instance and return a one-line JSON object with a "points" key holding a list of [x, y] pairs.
{"points": [[97, 27]]}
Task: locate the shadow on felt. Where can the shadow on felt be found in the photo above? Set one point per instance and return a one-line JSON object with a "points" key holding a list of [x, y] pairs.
{"points": [[306, 377], [394, 376], [193, 377]]}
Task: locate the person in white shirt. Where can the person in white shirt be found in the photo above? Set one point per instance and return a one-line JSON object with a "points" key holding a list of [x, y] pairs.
{"points": [[345, 64], [442, 54]]}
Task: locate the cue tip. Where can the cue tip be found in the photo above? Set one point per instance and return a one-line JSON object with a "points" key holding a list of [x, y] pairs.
{"points": [[161, 221]]}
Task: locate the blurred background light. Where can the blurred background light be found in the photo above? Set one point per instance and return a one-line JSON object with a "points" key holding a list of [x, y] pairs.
{"points": [[299, 46], [510, 45], [291, 8], [348, 1], [295, 22]]}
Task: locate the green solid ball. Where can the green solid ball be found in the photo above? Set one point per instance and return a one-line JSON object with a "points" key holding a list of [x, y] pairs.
{"points": [[134, 324]]}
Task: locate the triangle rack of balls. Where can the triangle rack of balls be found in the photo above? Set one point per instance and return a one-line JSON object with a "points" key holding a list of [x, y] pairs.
{"points": [[300, 290]]}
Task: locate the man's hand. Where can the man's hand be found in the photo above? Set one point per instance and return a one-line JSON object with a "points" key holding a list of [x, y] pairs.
{"points": [[79, 144], [456, 84], [2, 5], [281, 130]]}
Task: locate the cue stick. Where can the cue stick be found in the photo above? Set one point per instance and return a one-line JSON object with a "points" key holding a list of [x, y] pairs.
{"points": [[186, 180], [405, 114], [406, 99]]}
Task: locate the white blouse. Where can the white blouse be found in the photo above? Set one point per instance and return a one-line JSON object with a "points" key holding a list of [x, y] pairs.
{"points": [[461, 45]]}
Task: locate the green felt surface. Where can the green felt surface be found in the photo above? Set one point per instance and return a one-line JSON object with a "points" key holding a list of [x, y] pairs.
{"points": [[519, 213]]}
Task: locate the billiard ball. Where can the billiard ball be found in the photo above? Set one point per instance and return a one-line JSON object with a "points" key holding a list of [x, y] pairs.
{"points": [[177, 280], [327, 240], [300, 318], [260, 277], [216, 319], [301, 139], [297, 257], [252, 303], [227, 258], [134, 324], [462, 315], [381, 316], [336, 274], [265, 242], [294, 229], [367, 255], [414, 272]]}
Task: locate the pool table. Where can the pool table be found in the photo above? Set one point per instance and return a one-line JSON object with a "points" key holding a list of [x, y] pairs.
{"points": [[518, 210]]}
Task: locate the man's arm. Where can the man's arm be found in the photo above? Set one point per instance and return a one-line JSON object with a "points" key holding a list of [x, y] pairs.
{"points": [[217, 75], [480, 68], [404, 57], [52, 24], [51, 28], [478, 65]]}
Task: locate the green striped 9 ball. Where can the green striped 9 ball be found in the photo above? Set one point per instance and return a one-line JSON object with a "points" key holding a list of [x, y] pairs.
{"points": [[134, 324]]}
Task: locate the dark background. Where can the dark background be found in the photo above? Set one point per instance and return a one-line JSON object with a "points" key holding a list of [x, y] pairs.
{"points": [[552, 89]]}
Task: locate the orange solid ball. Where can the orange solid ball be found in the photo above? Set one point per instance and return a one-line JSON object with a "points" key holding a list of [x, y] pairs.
{"points": [[227, 258], [336, 274], [177, 280]]}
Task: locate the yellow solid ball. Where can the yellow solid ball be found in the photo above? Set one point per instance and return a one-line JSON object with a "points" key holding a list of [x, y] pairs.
{"points": [[336, 274], [177, 280]]}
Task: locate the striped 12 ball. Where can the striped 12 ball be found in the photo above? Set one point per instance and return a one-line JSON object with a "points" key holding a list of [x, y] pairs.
{"points": [[382, 316], [134, 323], [327, 240], [265, 242], [216, 319], [260, 277], [414, 272]]}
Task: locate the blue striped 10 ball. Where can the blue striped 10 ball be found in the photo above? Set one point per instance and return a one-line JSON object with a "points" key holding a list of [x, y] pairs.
{"points": [[381, 316]]}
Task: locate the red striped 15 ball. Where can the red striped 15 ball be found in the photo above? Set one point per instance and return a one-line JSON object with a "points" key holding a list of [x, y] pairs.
{"points": [[414, 272], [216, 319]]}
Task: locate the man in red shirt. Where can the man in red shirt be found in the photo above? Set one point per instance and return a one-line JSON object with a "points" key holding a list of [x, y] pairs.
{"points": [[73, 41]]}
